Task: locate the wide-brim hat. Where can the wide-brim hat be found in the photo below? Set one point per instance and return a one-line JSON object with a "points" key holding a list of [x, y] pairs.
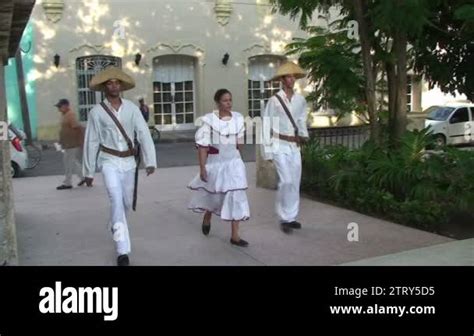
{"points": [[289, 68], [97, 82]]}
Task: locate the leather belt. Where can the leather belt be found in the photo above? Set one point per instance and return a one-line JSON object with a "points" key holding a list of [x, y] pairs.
{"points": [[289, 138], [114, 152]]}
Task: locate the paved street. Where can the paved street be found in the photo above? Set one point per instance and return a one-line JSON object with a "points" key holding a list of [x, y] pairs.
{"points": [[69, 228], [168, 154]]}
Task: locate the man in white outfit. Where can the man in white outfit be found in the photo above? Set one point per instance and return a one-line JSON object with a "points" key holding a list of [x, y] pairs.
{"points": [[288, 131], [109, 145]]}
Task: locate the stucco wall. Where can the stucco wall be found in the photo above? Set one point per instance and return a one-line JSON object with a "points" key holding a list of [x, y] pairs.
{"points": [[154, 28]]}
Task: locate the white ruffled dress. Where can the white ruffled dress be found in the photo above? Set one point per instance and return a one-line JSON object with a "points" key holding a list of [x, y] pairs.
{"points": [[224, 193]]}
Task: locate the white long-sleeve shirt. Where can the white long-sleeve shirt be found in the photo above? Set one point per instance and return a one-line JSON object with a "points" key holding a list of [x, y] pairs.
{"points": [[101, 130], [275, 119]]}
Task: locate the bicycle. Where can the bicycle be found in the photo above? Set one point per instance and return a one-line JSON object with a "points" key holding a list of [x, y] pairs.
{"points": [[34, 155], [155, 134]]}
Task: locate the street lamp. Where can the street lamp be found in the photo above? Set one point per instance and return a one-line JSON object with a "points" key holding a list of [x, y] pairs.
{"points": [[57, 58]]}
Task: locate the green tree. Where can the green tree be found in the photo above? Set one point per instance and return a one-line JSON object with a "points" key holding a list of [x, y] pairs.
{"points": [[445, 54], [384, 29], [334, 68]]}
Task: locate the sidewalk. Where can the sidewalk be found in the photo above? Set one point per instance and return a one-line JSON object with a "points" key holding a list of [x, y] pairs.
{"points": [[454, 253], [69, 228], [177, 136], [165, 137]]}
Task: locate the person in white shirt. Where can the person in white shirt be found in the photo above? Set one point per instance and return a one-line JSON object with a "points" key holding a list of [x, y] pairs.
{"points": [[107, 149], [282, 146]]}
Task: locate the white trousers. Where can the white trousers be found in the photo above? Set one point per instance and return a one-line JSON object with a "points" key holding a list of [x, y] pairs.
{"points": [[288, 166], [72, 158], [119, 187]]}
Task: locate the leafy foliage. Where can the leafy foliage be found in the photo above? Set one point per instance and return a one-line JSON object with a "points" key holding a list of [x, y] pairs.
{"points": [[408, 185], [333, 67], [445, 54]]}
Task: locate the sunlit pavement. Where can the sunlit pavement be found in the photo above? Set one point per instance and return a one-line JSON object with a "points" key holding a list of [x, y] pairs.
{"points": [[68, 227]]}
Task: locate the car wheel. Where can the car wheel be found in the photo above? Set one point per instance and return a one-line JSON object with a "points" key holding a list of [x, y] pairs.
{"points": [[15, 170], [440, 140], [155, 135]]}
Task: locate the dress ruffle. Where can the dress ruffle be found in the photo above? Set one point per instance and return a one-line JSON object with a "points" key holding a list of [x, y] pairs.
{"points": [[231, 206], [222, 176], [224, 192]]}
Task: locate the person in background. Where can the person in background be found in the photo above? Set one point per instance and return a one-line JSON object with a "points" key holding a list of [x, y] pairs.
{"points": [[71, 139], [144, 109]]}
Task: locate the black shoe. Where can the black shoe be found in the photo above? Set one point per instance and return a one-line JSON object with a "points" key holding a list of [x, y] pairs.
{"points": [[241, 243], [80, 184], [286, 228], [123, 260], [63, 187], [206, 228], [295, 225]]}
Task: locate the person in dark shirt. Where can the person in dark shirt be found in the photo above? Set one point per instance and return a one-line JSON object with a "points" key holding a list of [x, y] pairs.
{"points": [[144, 109]]}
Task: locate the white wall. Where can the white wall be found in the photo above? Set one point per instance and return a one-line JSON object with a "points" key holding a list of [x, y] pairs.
{"points": [[436, 97], [154, 28]]}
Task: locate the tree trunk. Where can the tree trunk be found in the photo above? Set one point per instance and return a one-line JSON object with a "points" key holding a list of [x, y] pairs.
{"points": [[392, 96], [400, 115], [8, 247], [382, 90], [360, 10], [22, 92]]}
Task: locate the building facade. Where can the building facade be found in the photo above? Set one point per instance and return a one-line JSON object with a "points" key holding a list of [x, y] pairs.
{"points": [[179, 52]]}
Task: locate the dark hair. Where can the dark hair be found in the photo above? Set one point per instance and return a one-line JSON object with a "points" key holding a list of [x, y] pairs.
{"points": [[220, 93], [62, 102]]}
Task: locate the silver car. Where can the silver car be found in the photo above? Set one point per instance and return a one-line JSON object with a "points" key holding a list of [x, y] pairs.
{"points": [[451, 124], [18, 153]]}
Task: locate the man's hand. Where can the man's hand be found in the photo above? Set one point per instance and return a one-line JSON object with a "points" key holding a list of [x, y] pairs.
{"points": [[303, 140], [150, 170], [89, 181]]}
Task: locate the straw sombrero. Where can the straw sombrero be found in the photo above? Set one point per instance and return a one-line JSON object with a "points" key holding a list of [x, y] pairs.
{"points": [[97, 82], [289, 68]]}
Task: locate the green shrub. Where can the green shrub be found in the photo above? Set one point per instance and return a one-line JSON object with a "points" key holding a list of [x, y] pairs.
{"points": [[408, 185]]}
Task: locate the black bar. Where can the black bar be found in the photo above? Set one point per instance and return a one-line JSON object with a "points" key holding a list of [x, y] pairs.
{"points": [[156, 297]]}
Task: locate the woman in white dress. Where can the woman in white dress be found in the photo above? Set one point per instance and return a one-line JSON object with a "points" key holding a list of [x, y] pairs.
{"points": [[220, 187]]}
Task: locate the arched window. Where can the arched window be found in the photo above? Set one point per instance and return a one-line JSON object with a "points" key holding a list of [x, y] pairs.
{"points": [[260, 85], [409, 93], [86, 68], [174, 91]]}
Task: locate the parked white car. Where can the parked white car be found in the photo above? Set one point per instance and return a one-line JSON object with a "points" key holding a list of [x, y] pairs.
{"points": [[451, 124], [18, 153]]}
